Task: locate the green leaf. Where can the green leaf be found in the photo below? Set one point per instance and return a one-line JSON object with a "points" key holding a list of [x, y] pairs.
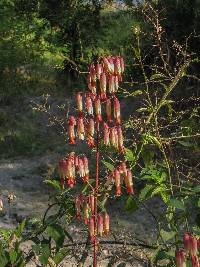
{"points": [[57, 233], [13, 256], [197, 189], [177, 204], [147, 156], [54, 183], [186, 144], [167, 235], [129, 156], [20, 228], [131, 204], [61, 255], [198, 203], [108, 165], [157, 76], [145, 193]]}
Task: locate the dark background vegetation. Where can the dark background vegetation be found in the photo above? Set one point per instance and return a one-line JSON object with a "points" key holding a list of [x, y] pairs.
{"points": [[46, 46]]}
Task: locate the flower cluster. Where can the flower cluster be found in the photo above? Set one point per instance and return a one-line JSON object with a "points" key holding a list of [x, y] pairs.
{"points": [[97, 121], [70, 165], [108, 71], [120, 175], [191, 246], [85, 209]]}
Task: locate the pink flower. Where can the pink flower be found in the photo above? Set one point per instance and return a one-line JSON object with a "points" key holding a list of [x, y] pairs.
{"points": [[120, 139], [99, 70], [129, 182], [116, 83], [117, 179], [103, 83], [98, 109], [180, 258], [195, 261], [193, 246], [100, 224], [86, 169], [86, 212], [93, 75], [91, 86], [106, 223], [90, 133], [122, 64], [186, 242], [106, 134], [91, 228], [89, 106], [81, 169], [117, 114], [111, 84], [117, 66], [113, 137], [79, 101], [80, 129], [108, 110], [71, 130]]}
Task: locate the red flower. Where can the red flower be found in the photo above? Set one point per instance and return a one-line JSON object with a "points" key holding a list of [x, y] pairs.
{"points": [[92, 203], [195, 261], [180, 258], [79, 101], [106, 134], [111, 84], [129, 182], [71, 130], [106, 223], [120, 139], [81, 128], [117, 65], [99, 70], [90, 133], [98, 109], [108, 110], [103, 83], [117, 114], [91, 228], [117, 182], [89, 106], [100, 225], [86, 169]]}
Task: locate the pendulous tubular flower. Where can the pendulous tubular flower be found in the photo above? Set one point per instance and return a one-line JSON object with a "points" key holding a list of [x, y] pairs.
{"points": [[79, 101], [120, 139], [99, 70], [89, 106], [111, 84], [70, 172], [113, 137], [103, 82], [117, 66], [86, 212], [98, 109], [86, 170], [91, 228], [180, 258], [106, 227], [129, 182], [90, 133], [106, 134], [117, 114], [195, 261], [190, 244], [80, 128], [108, 110], [71, 129], [93, 74], [100, 224], [91, 86], [117, 179]]}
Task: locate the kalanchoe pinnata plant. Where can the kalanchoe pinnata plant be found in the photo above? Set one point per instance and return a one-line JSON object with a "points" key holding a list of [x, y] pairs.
{"points": [[98, 118]]}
